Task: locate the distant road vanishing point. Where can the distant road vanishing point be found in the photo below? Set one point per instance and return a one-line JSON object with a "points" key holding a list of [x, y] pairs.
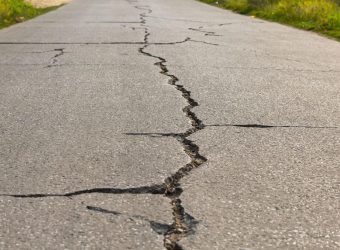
{"points": [[167, 124]]}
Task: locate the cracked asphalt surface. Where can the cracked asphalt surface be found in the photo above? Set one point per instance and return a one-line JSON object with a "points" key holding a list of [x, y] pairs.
{"points": [[172, 124]]}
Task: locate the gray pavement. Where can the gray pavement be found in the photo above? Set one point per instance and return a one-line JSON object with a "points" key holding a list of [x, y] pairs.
{"points": [[167, 124]]}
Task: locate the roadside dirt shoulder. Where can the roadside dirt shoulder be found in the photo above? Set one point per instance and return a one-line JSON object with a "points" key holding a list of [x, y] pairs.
{"points": [[46, 3]]}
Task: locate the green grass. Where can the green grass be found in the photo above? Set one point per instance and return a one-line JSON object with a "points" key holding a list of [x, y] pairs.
{"points": [[322, 16], [14, 11]]}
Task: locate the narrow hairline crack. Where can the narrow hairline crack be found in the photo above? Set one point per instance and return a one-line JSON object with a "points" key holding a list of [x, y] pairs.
{"points": [[110, 64], [188, 39], [205, 22], [205, 32]]}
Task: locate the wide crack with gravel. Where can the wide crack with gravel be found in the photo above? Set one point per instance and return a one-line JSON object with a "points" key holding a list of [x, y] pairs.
{"points": [[182, 223]]}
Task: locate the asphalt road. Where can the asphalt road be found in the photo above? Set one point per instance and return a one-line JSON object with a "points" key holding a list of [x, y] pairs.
{"points": [[167, 124]]}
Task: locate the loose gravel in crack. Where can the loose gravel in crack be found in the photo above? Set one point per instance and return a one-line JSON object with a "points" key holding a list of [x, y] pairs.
{"points": [[183, 224]]}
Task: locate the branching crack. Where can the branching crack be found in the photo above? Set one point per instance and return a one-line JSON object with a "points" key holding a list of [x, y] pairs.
{"points": [[182, 225], [177, 19], [205, 32], [54, 59], [188, 39], [159, 228]]}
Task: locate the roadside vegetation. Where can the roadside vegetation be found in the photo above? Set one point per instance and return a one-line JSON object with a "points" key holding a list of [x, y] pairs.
{"points": [[322, 16], [14, 11]]}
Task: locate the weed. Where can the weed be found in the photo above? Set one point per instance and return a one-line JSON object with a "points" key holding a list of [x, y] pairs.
{"points": [[322, 16], [14, 11]]}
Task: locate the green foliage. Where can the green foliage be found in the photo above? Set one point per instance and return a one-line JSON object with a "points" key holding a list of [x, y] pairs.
{"points": [[14, 11], [319, 15], [239, 5], [213, 1]]}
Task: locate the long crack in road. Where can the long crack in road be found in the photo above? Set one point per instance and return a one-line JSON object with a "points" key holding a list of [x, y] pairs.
{"points": [[267, 128]]}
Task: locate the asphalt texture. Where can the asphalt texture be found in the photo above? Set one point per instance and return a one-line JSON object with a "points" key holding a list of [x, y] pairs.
{"points": [[167, 124]]}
